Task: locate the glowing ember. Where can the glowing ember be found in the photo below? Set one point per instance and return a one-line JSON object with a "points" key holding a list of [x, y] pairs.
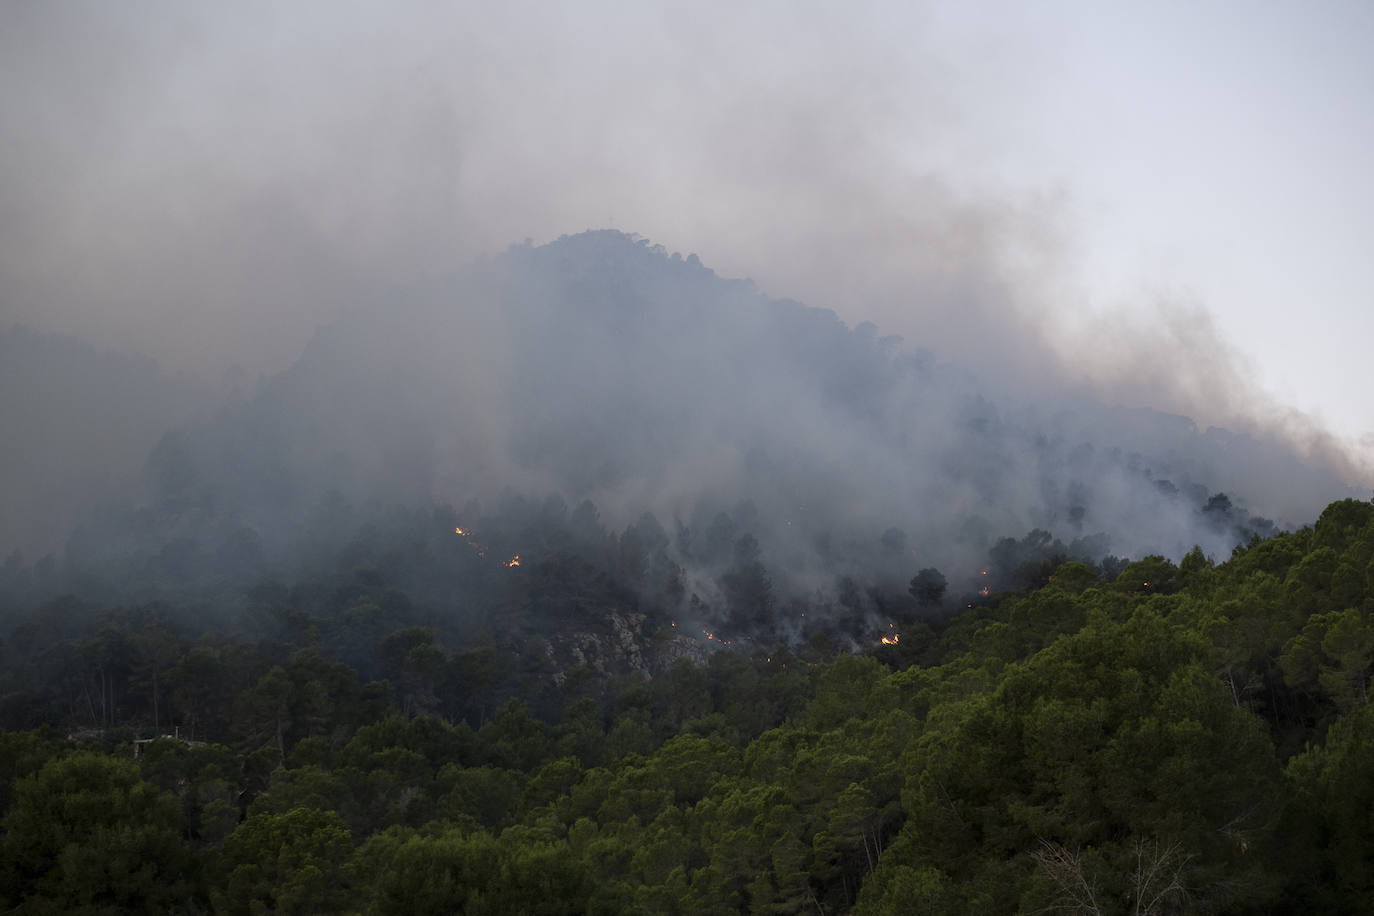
{"points": [[715, 637], [983, 590], [514, 561], [467, 534]]}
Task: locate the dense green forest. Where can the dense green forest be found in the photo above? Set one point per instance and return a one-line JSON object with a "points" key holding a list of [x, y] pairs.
{"points": [[1137, 737]]}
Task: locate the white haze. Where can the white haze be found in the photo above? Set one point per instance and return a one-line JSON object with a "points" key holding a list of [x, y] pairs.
{"points": [[210, 183], [600, 367]]}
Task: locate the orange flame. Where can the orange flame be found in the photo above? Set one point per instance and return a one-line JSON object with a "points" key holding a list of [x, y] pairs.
{"points": [[467, 534], [891, 640], [716, 637], [514, 561]]}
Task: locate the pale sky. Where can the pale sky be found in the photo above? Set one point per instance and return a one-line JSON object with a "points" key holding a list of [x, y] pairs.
{"points": [[1220, 150], [1172, 198]]}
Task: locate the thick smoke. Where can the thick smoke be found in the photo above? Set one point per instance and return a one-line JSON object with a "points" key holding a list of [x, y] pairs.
{"points": [[229, 190], [603, 370], [206, 185], [79, 423]]}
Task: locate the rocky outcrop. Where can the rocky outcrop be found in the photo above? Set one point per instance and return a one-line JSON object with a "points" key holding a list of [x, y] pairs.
{"points": [[622, 642]]}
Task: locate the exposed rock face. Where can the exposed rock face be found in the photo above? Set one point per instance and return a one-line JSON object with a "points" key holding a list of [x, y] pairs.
{"points": [[678, 644], [625, 641]]}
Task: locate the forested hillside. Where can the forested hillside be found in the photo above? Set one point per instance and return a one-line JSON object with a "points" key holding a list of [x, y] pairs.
{"points": [[956, 502], [1153, 737], [585, 580], [755, 458]]}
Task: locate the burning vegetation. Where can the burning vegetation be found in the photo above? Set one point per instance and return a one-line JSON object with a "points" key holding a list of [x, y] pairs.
{"points": [[469, 535]]}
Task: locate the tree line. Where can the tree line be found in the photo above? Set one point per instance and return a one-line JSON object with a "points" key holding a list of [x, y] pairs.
{"points": [[1119, 737]]}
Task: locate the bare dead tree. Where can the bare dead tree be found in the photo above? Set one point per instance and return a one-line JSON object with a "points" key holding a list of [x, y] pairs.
{"points": [[1157, 885], [1065, 868]]}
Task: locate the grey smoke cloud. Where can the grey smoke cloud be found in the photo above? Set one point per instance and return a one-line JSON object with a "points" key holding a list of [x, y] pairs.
{"points": [[209, 183], [186, 173]]}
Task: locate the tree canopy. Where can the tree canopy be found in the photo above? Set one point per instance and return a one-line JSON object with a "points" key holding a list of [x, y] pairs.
{"points": [[1135, 737]]}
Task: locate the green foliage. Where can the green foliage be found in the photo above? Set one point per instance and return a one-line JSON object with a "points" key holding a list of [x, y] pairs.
{"points": [[1153, 575], [1074, 578], [1330, 818], [482, 796], [87, 835], [1341, 522], [412, 874], [1332, 657], [22, 754], [928, 587], [1123, 737], [284, 863]]}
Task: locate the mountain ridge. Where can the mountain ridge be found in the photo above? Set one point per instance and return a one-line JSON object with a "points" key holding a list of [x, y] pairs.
{"points": [[603, 369]]}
